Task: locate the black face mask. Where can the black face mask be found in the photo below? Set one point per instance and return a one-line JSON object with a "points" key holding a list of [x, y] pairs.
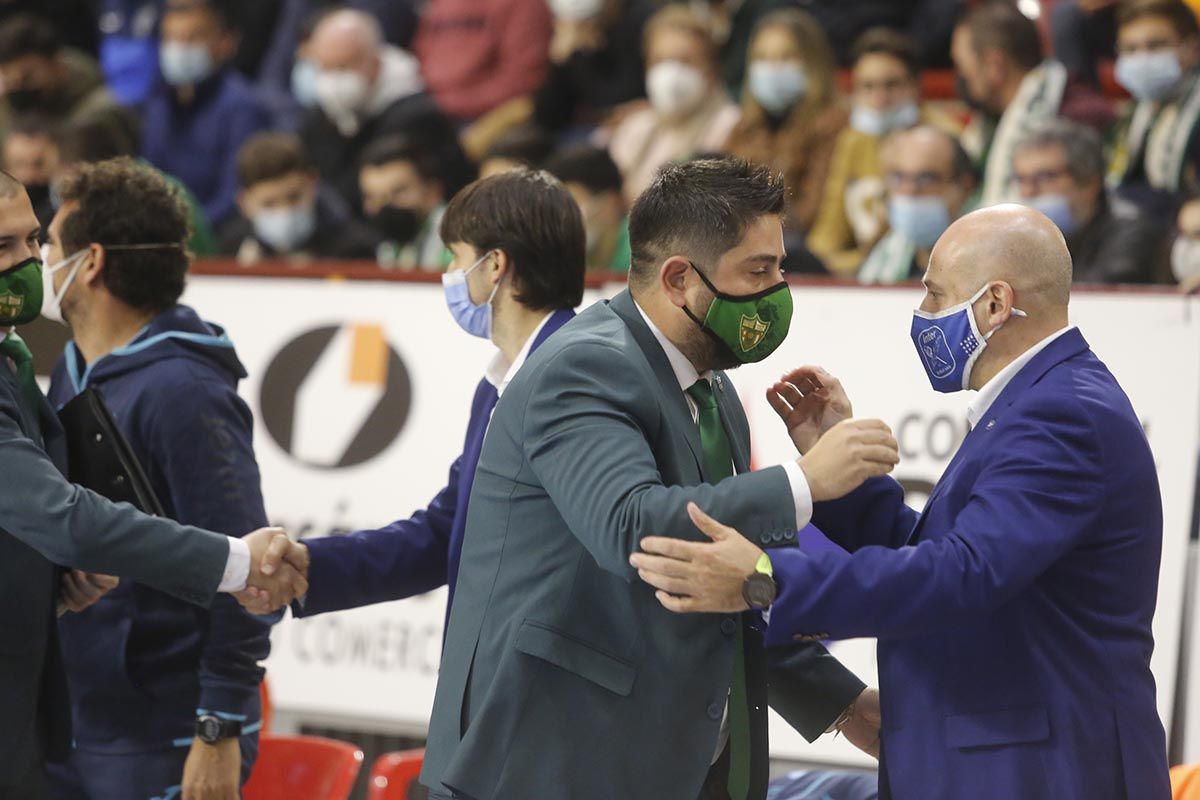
{"points": [[399, 225], [26, 99]]}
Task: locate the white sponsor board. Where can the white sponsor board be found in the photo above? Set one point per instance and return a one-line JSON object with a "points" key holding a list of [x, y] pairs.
{"points": [[377, 666]]}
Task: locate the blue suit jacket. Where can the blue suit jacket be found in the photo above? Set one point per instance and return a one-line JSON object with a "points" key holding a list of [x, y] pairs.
{"points": [[1013, 615], [415, 555]]}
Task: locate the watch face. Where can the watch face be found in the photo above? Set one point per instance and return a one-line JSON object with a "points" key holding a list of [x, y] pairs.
{"points": [[759, 590], [210, 729]]}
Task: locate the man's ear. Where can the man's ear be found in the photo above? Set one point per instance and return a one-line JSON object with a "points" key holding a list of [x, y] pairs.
{"points": [[673, 276], [92, 270]]}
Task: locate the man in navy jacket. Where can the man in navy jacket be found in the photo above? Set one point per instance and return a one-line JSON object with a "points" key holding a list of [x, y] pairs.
{"points": [[142, 666], [519, 240], [1014, 613]]}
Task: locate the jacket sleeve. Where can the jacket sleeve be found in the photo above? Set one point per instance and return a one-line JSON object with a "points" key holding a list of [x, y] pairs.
{"points": [[1041, 496], [831, 238], [586, 433], [873, 514], [202, 441], [407, 558], [72, 526], [809, 687]]}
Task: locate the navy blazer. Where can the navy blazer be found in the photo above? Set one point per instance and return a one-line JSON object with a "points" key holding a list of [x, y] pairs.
{"points": [[1014, 613], [415, 555]]}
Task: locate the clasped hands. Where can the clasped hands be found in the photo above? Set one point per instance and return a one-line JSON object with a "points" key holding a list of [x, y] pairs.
{"points": [[278, 571]]}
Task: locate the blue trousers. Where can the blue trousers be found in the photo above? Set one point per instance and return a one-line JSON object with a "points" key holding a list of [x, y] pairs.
{"points": [[155, 775]]}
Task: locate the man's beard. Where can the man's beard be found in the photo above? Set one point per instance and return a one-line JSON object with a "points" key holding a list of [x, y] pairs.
{"points": [[706, 351]]}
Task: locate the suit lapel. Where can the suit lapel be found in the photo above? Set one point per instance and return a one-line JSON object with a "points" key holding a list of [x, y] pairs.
{"points": [[625, 308]]}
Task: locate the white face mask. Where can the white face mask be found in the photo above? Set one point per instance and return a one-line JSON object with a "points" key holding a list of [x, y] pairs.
{"points": [[285, 229], [675, 88], [879, 123], [185, 64], [777, 85], [52, 300], [576, 10], [342, 92], [1185, 258]]}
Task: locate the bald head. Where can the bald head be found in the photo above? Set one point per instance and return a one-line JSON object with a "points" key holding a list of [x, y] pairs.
{"points": [[1010, 243], [347, 40]]}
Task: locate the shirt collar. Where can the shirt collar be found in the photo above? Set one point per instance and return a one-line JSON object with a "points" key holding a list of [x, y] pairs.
{"points": [[992, 389], [684, 371], [500, 372]]}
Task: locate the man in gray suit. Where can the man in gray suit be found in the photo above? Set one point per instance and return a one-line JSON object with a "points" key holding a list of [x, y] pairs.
{"points": [[46, 522], [561, 675]]}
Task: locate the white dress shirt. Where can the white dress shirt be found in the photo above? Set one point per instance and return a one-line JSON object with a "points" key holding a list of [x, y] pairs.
{"points": [[992, 389]]}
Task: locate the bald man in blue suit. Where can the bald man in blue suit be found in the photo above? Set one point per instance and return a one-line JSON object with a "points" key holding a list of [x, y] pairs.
{"points": [[1014, 613]]}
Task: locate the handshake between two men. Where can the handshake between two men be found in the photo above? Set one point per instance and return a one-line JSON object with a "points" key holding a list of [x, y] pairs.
{"points": [[278, 571]]}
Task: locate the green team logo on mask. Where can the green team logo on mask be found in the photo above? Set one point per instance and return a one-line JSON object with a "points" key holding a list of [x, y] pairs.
{"points": [[21, 293], [751, 326]]}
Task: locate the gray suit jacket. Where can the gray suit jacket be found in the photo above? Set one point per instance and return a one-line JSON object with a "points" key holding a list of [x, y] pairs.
{"points": [[45, 522], [562, 676]]}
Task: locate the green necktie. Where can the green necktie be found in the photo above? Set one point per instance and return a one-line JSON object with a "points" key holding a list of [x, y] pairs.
{"points": [[15, 348], [718, 464]]}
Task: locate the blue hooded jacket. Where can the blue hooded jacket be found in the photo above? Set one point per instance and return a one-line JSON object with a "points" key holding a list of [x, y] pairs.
{"points": [[141, 664]]}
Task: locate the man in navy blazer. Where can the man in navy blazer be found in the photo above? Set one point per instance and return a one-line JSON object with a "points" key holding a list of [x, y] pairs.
{"points": [[1013, 614], [518, 243]]}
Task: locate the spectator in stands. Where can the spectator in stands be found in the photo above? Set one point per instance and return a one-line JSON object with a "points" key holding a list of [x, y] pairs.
{"points": [[366, 89], [790, 112], [39, 74], [997, 51], [477, 55], [527, 146], [689, 112], [200, 114], [129, 47], [887, 89], [1059, 170], [595, 62], [1156, 158], [282, 213], [593, 179], [89, 141], [31, 156], [1185, 253], [930, 183], [404, 198]]}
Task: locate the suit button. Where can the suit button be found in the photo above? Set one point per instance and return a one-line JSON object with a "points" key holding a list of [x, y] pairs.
{"points": [[789, 535], [728, 627], [765, 538], [716, 711], [777, 536]]}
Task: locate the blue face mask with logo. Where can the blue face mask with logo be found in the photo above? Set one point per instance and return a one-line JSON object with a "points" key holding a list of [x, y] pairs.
{"points": [[949, 343], [475, 320]]}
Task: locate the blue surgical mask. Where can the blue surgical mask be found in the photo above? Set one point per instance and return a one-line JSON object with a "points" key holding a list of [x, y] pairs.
{"points": [[1149, 76], [776, 85], [475, 320], [920, 220], [184, 64], [878, 123], [285, 229], [950, 343], [304, 82], [1058, 208]]}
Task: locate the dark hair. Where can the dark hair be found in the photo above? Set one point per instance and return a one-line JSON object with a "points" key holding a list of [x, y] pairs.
{"points": [[34, 125], [226, 11], [28, 35], [121, 203], [1000, 25], [1181, 17], [398, 147], [93, 139], [527, 145], [268, 156], [1082, 147], [591, 167], [699, 208], [533, 219], [887, 42]]}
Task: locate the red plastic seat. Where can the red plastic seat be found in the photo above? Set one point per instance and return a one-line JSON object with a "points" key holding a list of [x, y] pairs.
{"points": [[303, 768], [393, 774]]}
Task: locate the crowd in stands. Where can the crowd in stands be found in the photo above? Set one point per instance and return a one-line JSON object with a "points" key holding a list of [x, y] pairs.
{"points": [[302, 130]]}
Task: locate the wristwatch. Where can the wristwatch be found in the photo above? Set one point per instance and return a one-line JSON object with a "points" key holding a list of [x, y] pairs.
{"points": [[211, 729], [759, 589]]}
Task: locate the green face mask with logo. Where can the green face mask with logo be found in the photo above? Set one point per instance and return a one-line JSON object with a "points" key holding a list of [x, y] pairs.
{"points": [[21, 293], [752, 326]]}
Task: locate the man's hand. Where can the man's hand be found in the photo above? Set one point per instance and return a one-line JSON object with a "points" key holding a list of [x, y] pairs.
{"points": [[213, 771], [862, 729], [695, 576], [810, 401], [278, 571], [81, 590], [852, 452]]}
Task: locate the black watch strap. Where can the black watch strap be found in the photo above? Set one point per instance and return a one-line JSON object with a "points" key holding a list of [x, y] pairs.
{"points": [[211, 729]]}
